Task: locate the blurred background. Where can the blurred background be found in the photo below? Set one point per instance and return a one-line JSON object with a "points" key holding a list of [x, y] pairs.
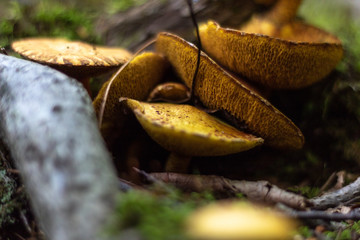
{"points": [[128, 22]]}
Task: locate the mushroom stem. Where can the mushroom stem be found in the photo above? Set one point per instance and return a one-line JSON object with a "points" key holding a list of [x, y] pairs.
{"points": [[177, 163], [283, 11], [86, 83]]}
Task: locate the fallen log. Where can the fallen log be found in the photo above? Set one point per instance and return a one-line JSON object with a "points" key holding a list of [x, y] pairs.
{"points": [[48, 124], [135, 26]]}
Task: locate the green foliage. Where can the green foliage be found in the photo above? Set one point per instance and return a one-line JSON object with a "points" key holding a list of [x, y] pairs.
{"points": [[306, 191], [7, 206], [153, 217], [305, 231], [351, 231], [46, 18], [55, 19], [336, 17], [347, 231], [11, 201], [115, 6]]}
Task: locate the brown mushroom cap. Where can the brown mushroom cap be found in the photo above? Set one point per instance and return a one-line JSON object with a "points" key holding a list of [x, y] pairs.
{"points": [[296, 57], [173, 92], [74, 58], [217, 89]]}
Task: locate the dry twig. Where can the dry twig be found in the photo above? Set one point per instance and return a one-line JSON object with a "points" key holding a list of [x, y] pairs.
{"points": [[260, 191], [335, 198]]}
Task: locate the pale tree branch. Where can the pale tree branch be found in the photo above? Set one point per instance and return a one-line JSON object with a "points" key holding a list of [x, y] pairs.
{"points": [[49, 126]]}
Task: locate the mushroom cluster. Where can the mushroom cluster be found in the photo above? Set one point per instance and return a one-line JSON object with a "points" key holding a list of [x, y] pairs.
{"points": [[272, 51], [291, 55]]}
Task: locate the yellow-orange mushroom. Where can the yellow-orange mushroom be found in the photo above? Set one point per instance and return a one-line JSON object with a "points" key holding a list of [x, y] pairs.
{"points": [[217, 89], [187, 131], [297, 55], [74, 58], [135, 81], [238, 221]]}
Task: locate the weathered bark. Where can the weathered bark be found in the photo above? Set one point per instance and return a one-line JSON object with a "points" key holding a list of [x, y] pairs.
{"points": [[135, 26], [48, 123]]}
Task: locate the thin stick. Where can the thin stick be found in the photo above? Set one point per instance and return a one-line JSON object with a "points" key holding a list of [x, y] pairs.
{"points": [[325, 215], [193, 18], [14, 171], [26, 222], [328, 182], [19, 236], [107, 90]]}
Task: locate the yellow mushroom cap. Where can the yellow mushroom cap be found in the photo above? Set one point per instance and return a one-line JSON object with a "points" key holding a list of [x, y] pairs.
{"points": [[238, 221], [75, 58], [188, 131], [217, 89], [136, 80], [297, 56]]}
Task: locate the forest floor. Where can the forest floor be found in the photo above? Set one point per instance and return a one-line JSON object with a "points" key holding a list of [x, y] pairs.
{"points": [[328, 114]]}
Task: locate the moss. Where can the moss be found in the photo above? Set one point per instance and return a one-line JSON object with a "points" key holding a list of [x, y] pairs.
{"points": [[7, 192], [55, 19], [306, 191], [305, 232], [46, 18], [350, 231], [159, 214], [152, 217], [12, 201]]}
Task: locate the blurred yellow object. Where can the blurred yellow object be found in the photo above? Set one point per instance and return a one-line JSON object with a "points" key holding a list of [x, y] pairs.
{"points": [[238, 220]]}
